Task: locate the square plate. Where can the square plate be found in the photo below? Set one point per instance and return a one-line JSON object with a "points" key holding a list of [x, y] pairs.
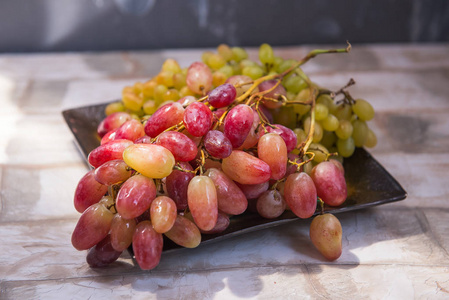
{"points": [[369, 184]]}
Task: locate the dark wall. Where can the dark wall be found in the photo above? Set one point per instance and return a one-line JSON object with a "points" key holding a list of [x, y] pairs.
{"points": [[91, 25]]}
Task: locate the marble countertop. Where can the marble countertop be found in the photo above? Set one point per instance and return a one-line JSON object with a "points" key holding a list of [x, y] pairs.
{"points": [[392, 251]]}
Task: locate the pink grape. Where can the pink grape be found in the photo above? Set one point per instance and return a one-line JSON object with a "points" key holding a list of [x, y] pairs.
{"points": [[238, 123], [253, 135], [231, 200], [300, 194], [112, 172], [92, 227], [267, 114], [111, 122], [110, 136], [143, 140], [153, 161], [102, 254], [330, 183], [147, 246], [88, 191], [223, 95], [287, 134], [271, 204], [202, 201], [165, 117], [326, 234], [121, 233], [199, 78], [241, 79], [177, 183], [109, 151], [163, 214], [291, 168], [272, 150], [245, 168], [130, 130], [184, 233], [186, 101], [182, 148], [253, 191], [197, 119], [274, 94], [217, 144], [223, 222], [135, 196]]}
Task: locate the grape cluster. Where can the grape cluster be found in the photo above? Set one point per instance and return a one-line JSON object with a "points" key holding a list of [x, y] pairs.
{"points": [[185, 151]]}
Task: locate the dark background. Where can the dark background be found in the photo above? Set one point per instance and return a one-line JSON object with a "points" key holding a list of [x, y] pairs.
{"points": [[98, 25]]}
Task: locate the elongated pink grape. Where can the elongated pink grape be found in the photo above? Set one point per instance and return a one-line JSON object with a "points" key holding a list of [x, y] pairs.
{"points": [[130, 130], [182, 148], [102, 254], [121, 233], [217, 144], [326, 234], [199, 78], [112, 172], [88, 191], [147, 246], [197, 119], [330, 183], [272, 150], [231, 199], [153, 161], [184, 233], [300, 194], [112, 122], [271, 204], [135, 196], [110, 136], [276, 93], [166, 116], [92, 227], [222, 95], [163, 213], [245, 168], [287, 134], [202, 200], [253, 191], [109, 151], [177, 183], [238, 123]]}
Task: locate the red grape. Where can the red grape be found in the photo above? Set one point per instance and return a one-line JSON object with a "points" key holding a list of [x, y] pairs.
{"points": [[88, 191], [238, 123], [199, 78], [182, 148], [109, 151], [202, 200], [197, 119], [272, 150], [165, 117], [326, 234], [330, 183], [222, 95], [102, 254], [112, 172], [300, 194], [147, 246], [177, 183], [217, 144], [111, 122], [245, 168], [135, 196]]}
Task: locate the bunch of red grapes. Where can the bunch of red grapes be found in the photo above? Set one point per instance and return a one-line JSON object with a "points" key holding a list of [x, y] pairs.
{"points": [[184, 152]]}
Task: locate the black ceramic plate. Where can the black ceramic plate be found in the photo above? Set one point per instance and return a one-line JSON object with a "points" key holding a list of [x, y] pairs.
{"points": [[369, 184]]}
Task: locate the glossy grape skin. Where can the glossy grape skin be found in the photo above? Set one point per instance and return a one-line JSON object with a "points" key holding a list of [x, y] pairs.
{"points": [[217, 144], [111, 122], [199, 78], [286, 134], [231, 200], [182, 148], [153, 161], [300, 194], [360, 132], [271, 204], [253, 191], [130, 130], [245, 168], [222, 95], [344, 130], [165, 117], [346, 147], [253, 136], [371, 139], [88, 191], [197, 119], [330, 183], [272, 150], [176, 184], [92, 227], [112, 172], [109, 136], [147, 246], [274, 94], [326, 235], [102, 254], [202, 201], [238, 123], [135, 196], [163, 214], [121, 233], [184, 233], [363, 109], [109, 151]]}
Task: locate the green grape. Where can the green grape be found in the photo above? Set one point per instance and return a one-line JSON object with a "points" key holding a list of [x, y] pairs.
{"points": [[290, 96], [148, 88], [205, 56], [285, 65], [359, 133], [218, 78], [301, 136], [371, 139], [343, 111], [114, 107], [171, 94], [266, 54], [179, 80], [150, 107], [321, 112], [227, 71], [329, 139], [253, 72], [225, 52], [294, 84], [165, 78], [238, 54], [318, 130], [330, 123], [320, 152], [247, 63], [159, 92], [328, 101], [302, 96], [171, 65], [345, 147], [344, 130], [363, 109], [215, 61], [277, 61], [132, 101]]}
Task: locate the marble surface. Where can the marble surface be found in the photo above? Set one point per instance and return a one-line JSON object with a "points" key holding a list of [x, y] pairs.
{"points": [[393, 251]]}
